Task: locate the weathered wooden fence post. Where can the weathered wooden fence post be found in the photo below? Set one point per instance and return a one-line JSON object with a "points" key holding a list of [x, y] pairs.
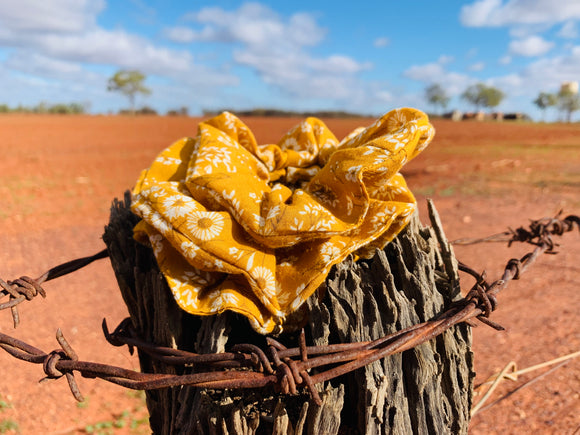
{"points": [[427, 389]]}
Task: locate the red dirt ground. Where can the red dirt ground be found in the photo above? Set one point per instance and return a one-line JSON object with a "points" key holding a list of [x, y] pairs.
{"points": [[59, 175]]}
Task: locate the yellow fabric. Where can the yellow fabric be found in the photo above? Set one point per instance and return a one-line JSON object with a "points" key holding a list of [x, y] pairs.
{"points": [[256, 228]]}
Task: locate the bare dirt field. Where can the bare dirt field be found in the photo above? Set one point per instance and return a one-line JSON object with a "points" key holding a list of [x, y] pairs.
{"points": [[59, 175]]}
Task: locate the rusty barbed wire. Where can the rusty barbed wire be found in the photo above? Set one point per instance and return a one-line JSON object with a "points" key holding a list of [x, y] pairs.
{"points": [[284, 369], [533, 235], [26, 288]]}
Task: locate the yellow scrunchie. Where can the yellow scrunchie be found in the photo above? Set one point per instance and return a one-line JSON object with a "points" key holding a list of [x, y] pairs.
{"points": [[256, 228]]}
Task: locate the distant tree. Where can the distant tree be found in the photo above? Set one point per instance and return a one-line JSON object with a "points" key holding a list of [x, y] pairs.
{"points": [[146, 110], [78, 108], [481, 95], [437, 96], [544, 101], [182, 111], [473, 95], [568, 102], [67, 109], [41, 107], [129, 83]]}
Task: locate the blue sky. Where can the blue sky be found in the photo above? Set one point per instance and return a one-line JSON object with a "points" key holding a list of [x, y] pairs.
{"points": [[299, 55]]}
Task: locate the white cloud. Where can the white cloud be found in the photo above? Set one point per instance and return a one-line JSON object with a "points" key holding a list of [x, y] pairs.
{"points": [[521, 31], [62, 16], [545, 74], [495, 13], [42, 79], [453, 83], [478, 13], [66, 31], [180, 34], [336, 64], [257, 26], [472, 52], [513, 82], [424, 73], [478, 66], [505, 60], [117, 48], [530, 46], [381, 42], [549, 73], [303, 76], [385, 96], [568, 30], [277, 49], [444, 59], [34, 63]]}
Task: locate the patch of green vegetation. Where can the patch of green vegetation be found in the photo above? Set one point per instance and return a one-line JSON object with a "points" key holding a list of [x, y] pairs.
{"points": [[84, 404], [136, 394], [133, 418], [140, 396], [4, 405], [137, 423], [123, 420], [100, 428], [424, 191], [448, 191], [469, 185], [9, 425]]}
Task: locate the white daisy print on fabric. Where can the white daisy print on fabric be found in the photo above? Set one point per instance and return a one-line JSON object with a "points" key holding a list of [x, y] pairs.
{"points": [[230, 121], [291, 144], [178, 206], [159, 223], [223, 300], [229, 298], [329, 252], [352, 173], [155, 192], [397, 120], [165, 160], [296, 303], [205, 225], [273, 212], [265, 280], [189, 249], [189, 298], [156, 241], [297, 225]]}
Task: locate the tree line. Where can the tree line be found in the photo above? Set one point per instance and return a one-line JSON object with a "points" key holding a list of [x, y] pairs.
{"points": [[131, 83], [482, 96], [566, 100], [44, 108]]}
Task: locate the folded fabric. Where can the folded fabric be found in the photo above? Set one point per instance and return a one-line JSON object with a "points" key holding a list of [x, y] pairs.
{"points": [[256, 228]]}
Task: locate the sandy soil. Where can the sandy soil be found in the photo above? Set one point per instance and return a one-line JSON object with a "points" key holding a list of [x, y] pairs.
{"points": [[60, 174]]}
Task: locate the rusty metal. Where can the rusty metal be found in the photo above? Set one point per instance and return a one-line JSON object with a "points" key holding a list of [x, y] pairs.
{"points": [[286, 370], [26, 288]]}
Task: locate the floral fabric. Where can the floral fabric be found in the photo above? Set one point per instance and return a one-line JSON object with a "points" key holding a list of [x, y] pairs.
{"points": [[256, 228]]}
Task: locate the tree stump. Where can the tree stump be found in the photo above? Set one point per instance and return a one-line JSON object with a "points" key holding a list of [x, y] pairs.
{"points": [[427, 389]]}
